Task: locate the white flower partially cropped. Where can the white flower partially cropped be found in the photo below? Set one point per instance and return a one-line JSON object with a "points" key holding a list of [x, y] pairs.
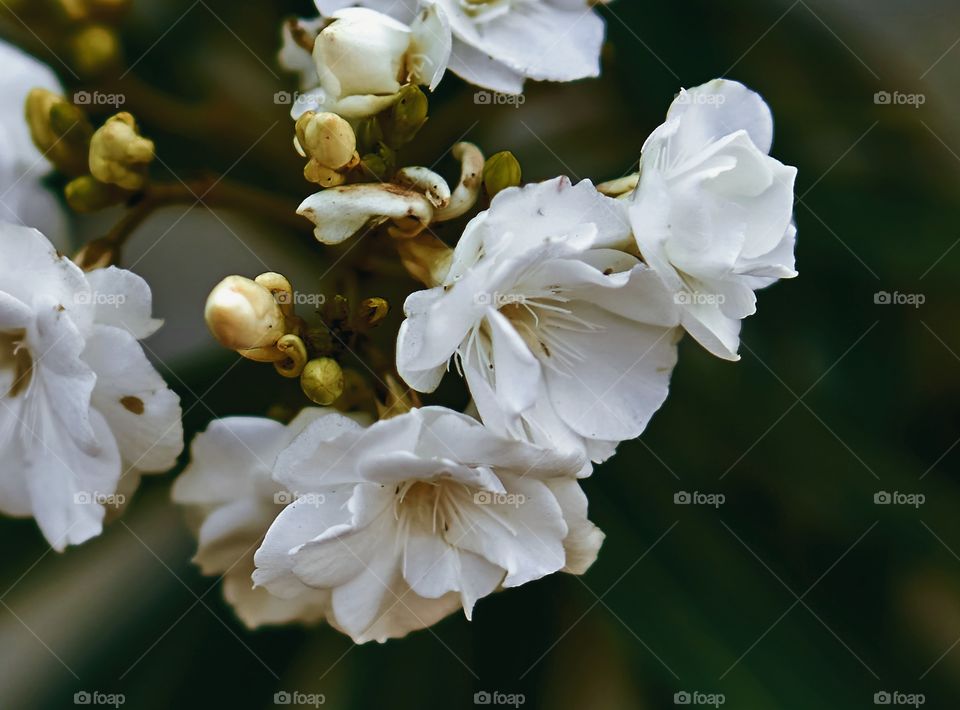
{"points": [[23, 198], [361, 58], [232, 500], [564, 340], [498, 44], [713, 212], [416, 516], [81, 407]]}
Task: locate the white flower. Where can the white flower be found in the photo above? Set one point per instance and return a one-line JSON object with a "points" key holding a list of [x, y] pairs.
{"points": [[498, 44], [232, 501], [415, 516], [23, 198], [564, 340], [712, 213], [81, 407], [362, 58]]}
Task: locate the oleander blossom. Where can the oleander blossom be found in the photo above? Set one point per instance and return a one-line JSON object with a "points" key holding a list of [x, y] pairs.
{"points": [[82, 410], [415, 516], [23, 197], [231, 500], [564, 340], [713, 212], [499, 44], [361, 58]]}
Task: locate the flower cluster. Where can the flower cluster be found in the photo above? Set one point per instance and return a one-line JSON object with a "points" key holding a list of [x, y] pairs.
{"points": [[560, 305]]}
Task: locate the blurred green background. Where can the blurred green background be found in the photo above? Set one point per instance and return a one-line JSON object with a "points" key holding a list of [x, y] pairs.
{"points": [[798, 592]]}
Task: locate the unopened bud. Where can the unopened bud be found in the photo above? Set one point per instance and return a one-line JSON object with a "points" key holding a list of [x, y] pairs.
{"points": [[374, 310], [95, 49], [243, 315], [402, 121], [60, 130], [119, 155], [107, 10], [87, 194], [322, 175], [327, 138], [502, 170], [322, 380]]}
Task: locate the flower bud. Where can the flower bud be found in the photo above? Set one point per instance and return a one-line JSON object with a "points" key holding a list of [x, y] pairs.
{"points": [[402, 121], [87, 194], [243, 315], [327, 138], [361, 52], [322, 175], [119, 155], [60, 131], [374, 310], [502, 170], [95, 49], [322, 380]]}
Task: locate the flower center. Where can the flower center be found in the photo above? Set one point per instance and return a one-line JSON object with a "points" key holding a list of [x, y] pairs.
{"points": [[426, 505], [542, 320], [15, 358]]}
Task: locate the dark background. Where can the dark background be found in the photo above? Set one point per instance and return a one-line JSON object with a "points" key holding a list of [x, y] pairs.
{"points": [[798, 592]]}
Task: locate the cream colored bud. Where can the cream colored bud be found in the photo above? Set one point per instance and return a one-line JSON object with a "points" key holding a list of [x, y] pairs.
{"points": [[322, 175], [327, 138], [60, 131], [322, 380], [243, 315], [119, 155]]}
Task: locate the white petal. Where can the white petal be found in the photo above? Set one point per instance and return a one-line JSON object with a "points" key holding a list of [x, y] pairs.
{"points": [[123, 299], [717, 109], [430, 44], [480, 69], [143, 413], [341, 212]]}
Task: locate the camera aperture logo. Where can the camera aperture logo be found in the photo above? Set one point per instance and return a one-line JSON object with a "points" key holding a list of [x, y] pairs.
{"points": [[495, 98], [696, 697], [914, 500], [95, 697], [512, 700], [697, 498], [913, 700], [295, 697]]}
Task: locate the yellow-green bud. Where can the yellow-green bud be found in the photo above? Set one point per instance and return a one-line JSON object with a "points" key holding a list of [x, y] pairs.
{"points": [[119, 155], [60, 131], [78, 10], [244, 315], [87, 194], [369, 135], [327, 138], [322, 380], [95, 49], [402, 121], [374, 310], [502, 170]]}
